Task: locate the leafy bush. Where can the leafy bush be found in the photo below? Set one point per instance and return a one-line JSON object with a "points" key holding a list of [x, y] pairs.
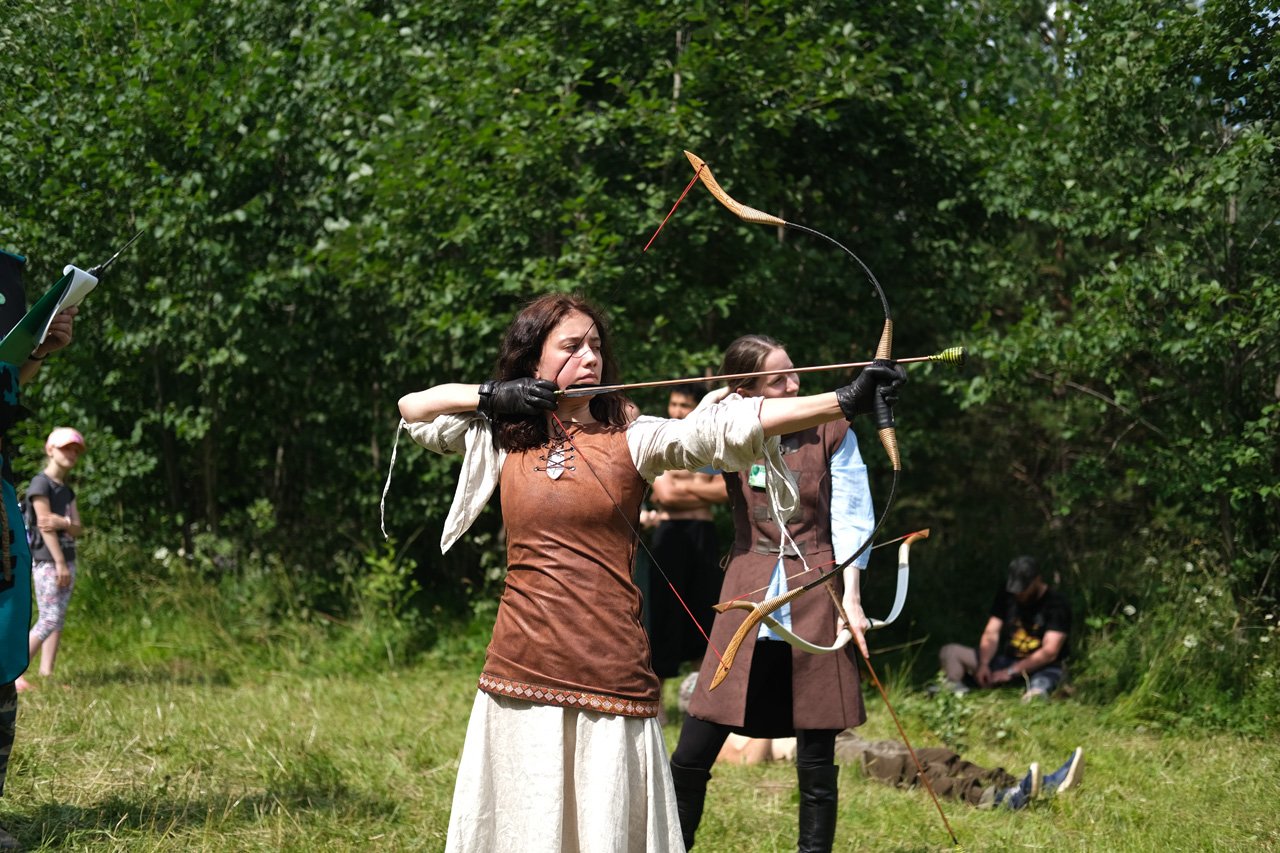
{"points": [[1188, 652]]}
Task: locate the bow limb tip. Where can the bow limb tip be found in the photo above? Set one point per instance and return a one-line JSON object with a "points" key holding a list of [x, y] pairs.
{"points": [[737, 604], [740, 210], [915, 537], [721, 672], [731, 650]]}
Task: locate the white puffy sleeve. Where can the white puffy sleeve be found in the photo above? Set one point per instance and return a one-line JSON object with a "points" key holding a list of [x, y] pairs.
{"points": [[481, 466], [726, 435]]}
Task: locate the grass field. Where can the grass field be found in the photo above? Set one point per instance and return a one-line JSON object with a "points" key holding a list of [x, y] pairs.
{"points": [[157, 738]]}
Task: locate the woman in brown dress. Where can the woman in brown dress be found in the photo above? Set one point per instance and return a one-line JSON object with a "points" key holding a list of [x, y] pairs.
{"points": [[563, 750], [773, 690]]}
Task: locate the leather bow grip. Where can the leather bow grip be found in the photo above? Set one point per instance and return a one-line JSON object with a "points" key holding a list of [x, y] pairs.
{"points": [[748, 625], [884, 414]]}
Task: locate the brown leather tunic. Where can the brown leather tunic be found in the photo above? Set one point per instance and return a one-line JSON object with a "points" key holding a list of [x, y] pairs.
{"points": [[569, 630], [825, 693]]}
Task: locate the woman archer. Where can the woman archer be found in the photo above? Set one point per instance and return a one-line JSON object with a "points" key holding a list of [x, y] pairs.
{"points": [[563, 749], [775, 691]]}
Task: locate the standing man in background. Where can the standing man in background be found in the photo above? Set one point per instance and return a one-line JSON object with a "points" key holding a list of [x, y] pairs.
{"points": [[687, 552]]}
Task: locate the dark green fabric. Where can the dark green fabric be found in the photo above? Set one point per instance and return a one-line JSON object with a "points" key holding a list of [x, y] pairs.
{"points": [[24, 337], [15, 594], [13, 295]]}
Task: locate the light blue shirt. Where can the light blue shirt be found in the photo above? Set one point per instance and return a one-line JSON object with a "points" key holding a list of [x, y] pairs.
{"points": [[852, 520]]}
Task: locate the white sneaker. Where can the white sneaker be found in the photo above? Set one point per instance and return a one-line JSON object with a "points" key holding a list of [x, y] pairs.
{"points": [[1068, 775]]}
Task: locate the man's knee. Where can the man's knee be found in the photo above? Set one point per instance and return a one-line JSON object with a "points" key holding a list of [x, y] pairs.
{"points": [[1042, 683], [954, 657]]}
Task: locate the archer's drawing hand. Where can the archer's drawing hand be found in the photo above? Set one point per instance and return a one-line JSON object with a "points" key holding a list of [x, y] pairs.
{"points": [[60, 332], [874, 389], [527, 396]]}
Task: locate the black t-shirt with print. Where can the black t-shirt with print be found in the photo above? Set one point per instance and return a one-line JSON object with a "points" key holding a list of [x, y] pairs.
{"points": [[60, 497], [1023, 627]]}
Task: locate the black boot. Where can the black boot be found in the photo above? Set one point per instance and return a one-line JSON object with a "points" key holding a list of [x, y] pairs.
{"points": [[691, 793], [817, 808]]}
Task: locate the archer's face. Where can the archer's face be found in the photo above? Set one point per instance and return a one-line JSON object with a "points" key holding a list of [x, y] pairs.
{"points": [[571, 352], [782, 385]]}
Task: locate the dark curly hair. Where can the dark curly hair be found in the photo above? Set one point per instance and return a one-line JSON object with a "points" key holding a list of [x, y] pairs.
{"points": [[521, 351]]}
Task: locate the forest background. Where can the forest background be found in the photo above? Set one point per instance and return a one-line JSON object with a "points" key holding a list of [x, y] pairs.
{"points": [[342, 202]]}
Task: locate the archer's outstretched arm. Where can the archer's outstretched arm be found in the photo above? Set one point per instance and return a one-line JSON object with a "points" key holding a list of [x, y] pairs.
{"points": [[525, 396], [783, 415], [877, 382], [450, 399]]}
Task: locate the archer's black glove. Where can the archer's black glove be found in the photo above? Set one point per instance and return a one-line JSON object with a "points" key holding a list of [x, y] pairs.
{"points": [[874, 390], [527, 396]]}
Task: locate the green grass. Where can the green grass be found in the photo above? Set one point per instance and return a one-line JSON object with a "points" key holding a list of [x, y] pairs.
{"points": [[162, 732]]}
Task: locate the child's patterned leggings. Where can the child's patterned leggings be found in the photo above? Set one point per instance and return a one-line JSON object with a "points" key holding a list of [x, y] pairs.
{"points": [[51, 600]]}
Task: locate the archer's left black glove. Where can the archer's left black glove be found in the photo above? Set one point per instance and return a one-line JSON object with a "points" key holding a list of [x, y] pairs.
{"points": [[525, 396], [874, 389]]}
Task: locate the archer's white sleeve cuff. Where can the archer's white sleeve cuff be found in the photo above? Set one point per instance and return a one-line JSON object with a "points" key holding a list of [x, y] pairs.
{"points": [[481, 467]]}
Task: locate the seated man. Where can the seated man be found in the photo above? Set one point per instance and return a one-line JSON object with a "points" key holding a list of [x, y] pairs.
{"points": [[1024, 643]]}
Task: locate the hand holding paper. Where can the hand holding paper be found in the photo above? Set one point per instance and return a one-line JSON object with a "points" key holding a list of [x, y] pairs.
{"points": [[59, 333], [77, 289], [47, 326]]}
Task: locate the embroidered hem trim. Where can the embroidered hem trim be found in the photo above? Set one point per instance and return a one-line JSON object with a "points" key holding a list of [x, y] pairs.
{"points": [[567, 698]]}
